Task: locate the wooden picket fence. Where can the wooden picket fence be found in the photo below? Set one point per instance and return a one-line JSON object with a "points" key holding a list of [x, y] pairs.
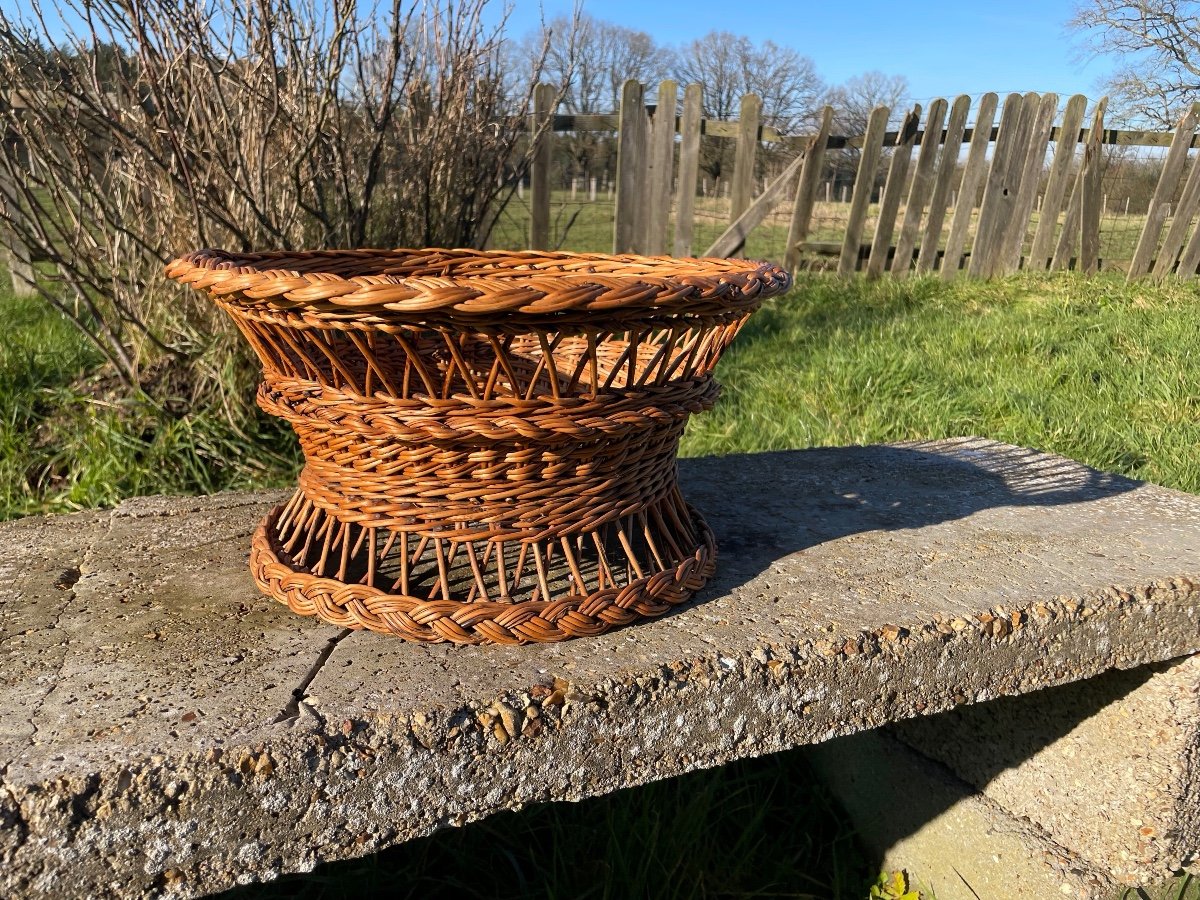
{"points": [[1010, 189], [1019, 193]]}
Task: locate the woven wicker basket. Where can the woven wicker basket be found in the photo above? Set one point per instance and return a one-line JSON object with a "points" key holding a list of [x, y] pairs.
{"points": [[490, 437]]}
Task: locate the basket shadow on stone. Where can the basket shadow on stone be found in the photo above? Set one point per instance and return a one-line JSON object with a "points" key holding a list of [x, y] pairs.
{"points": [[790, 500]]}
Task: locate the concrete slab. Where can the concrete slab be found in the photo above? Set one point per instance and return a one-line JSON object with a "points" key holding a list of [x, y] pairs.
{"points": [[1106, 765], [166, 730], [955, 843]]}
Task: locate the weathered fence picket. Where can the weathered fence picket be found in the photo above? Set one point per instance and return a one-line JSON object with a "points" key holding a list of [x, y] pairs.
{"points": [[539, 171], [893, 190], [689, 168], [628, 230], [1190, 258], [947, 166], [972, 176], [1041, 117], [806, 190], [1181, 219], [662, 159], [922, 186], [1000, 189], [1070, 234], [1065, 141], [20, 267], [742, 189], [864, 188], [1092, 201], [1164, 192]]}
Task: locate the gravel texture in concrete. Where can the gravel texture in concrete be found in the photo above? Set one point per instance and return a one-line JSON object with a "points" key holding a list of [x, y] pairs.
{"points": [[166, 730]]}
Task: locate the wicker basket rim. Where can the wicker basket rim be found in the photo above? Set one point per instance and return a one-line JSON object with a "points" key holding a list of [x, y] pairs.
{"points": [[476, 282]]}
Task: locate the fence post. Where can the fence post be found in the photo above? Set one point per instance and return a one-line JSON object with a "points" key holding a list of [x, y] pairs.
{"points": [[947, 165], [662, 158], [631, 169], [1190, 258], [541, 130], [1056, 187], [1089, 232], [1163, 192], [806, 191], [733, 239], [964, 208], [1180, 221], [742, 188], [864, 187], [893, 189], [689, 168], [918, 193], [20, 266]]}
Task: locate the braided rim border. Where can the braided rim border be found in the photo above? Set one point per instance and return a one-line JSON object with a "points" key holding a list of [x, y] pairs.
{"points": [[504, 284], [437, 621]]}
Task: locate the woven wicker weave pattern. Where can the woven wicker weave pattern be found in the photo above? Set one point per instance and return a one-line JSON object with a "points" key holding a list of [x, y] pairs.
{"points": [[490, 438]]}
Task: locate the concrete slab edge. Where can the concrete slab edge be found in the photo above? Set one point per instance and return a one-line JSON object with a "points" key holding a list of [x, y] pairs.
{"points": [[313, 788]]}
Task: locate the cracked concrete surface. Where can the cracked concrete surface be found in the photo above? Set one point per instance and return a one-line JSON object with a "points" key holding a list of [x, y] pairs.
{"points": [[165, 730]]}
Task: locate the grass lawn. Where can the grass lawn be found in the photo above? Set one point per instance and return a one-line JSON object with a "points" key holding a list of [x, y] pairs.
{"points": [[1096, 370], [68, 442], [587, 226]]}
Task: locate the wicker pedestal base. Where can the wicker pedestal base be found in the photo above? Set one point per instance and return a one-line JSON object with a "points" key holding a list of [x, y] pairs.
{"points": [[595, 582], [490, 438]]}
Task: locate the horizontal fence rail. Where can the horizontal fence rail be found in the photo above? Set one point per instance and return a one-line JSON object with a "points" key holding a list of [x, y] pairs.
{"points": [[977, 187]]}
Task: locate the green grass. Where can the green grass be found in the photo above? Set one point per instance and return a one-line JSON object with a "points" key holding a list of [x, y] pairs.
{"points": [[1095, 370], [68, 441]]}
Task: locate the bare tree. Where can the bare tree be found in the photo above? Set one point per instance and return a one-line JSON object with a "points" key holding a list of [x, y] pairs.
{"points": [[244, 124], [591, 59], [853, 100], [728, 66], [1158, 42]]}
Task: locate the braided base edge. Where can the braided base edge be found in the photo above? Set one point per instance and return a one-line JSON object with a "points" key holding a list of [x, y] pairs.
{"points": [[358, 606]]}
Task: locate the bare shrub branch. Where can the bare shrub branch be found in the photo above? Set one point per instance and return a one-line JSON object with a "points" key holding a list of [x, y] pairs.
{"points": [[159, 126]]}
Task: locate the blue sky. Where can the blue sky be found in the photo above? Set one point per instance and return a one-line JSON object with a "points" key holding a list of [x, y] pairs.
{"points": [[943, 48]]}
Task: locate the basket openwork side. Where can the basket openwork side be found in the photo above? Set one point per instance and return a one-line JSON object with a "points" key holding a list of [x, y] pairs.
{"points": [[490, 438]]}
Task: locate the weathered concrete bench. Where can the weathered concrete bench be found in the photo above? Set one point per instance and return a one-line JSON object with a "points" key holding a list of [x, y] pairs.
{"points": [[164, 729]]}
